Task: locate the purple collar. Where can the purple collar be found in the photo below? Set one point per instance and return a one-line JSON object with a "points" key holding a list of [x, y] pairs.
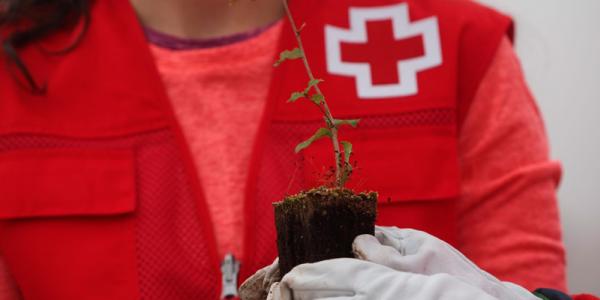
{"points": [[171, 42]]}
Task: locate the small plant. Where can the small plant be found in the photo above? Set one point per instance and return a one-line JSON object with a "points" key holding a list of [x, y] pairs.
{"points": [[312, 92], [321, 223]]}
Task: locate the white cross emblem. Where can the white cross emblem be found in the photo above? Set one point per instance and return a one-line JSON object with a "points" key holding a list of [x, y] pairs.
{"points": [[403, 29]]}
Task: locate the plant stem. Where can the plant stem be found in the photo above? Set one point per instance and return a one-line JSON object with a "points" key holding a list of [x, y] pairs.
{"points": [[324, 107]]}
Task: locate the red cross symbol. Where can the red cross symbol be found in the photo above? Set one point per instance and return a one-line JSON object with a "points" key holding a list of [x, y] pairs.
{"points": [[383, 65], [383, 50]]}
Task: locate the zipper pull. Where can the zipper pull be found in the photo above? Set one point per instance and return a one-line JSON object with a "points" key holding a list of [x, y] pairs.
{"points": [[230, 269]]}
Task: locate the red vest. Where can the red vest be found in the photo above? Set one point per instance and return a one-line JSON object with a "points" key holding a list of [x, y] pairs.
{"points": [[99, 197]]}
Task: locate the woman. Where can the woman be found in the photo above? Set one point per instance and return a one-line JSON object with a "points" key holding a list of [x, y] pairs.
{"points": [[143, 142]]}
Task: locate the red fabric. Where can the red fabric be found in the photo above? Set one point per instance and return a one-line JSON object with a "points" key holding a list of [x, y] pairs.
{"points": [[8, 286], [62, 177], [165, 222], [173, 244], [91, 93], [37, 242]]}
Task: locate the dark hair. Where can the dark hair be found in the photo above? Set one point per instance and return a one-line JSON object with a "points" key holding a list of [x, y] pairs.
{"points": [[32, 20]]}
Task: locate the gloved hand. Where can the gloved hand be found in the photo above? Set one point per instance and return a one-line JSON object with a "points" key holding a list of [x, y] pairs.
{"points": [[398, 264], [257, 286], [346, 278], [414, 251]]}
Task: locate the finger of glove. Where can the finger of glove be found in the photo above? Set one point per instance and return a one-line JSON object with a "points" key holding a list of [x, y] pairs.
{"points": [[441, 286], [282, 291], [422, 253], [425, 254], [518, 292], [356, 279], [252, 288], [406, 241], [399, 249], [336, 275], [275, 293], [410, 241], [315, 295], [272, 274], [435, 256], [343, 278], [367, 247], [257, 285]]}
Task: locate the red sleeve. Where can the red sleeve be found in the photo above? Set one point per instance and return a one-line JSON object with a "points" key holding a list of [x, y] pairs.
{"points": [[585, 297], [508, 216]]}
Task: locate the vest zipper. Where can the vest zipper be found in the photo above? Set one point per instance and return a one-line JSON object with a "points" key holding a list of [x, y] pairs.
{"points": [[230, 269]]}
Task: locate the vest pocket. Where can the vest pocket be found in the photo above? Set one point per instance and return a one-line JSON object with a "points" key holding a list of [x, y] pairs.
{"points": [[66, 182], [66, 225], [414, 170]]}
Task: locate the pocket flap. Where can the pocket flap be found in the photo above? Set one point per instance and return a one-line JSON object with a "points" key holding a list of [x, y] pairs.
{"points": [[66, 182], [405, 164]]}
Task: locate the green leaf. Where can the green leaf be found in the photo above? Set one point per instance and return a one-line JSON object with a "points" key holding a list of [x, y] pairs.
{"points": [[295, 96], [320, 133], [352, 122], [346, 173], [317, 99], [311, 84], [288, 55], [314, 82], [347, 151], [347, 170]]}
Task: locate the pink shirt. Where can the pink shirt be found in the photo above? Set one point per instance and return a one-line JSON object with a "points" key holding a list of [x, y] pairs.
{"points": [[218, 95]]}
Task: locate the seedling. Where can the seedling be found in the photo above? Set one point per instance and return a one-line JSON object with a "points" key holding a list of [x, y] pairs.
{"points": [[312, 93], [321, 223]]}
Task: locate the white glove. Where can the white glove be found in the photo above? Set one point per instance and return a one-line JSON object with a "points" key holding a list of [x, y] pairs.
{"points": [[346, 278], [414, 251], [257, 286], [400, 264]]}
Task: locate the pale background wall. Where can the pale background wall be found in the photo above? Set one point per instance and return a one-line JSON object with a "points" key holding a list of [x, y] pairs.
{"points": [[558, 42]]}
